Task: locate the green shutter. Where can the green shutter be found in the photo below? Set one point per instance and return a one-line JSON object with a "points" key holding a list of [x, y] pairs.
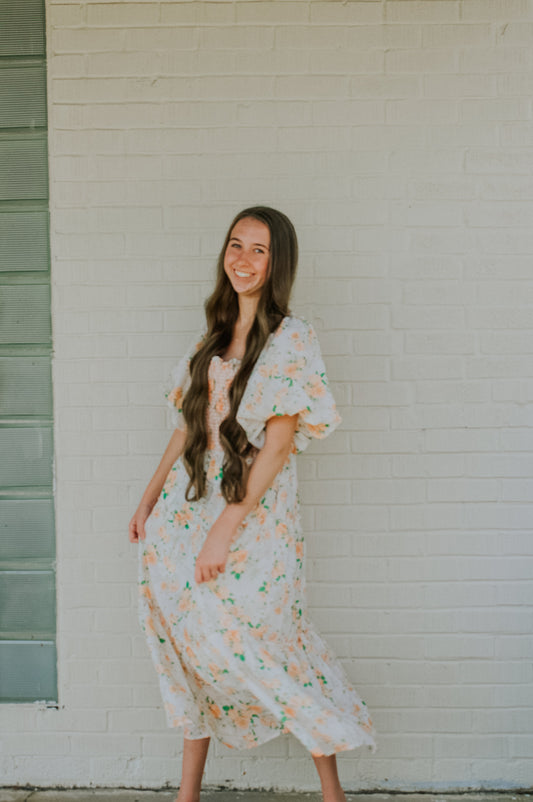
{"points": [[27, 536]]}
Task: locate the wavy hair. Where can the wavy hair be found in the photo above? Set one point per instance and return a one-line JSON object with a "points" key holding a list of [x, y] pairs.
{"points": [[222, 311]]}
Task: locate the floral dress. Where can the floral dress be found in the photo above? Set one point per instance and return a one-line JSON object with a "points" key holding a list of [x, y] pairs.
{"points": [[237, 656]]}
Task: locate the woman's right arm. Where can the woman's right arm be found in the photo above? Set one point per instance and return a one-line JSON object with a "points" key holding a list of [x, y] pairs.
{"points": [[155, 485]]}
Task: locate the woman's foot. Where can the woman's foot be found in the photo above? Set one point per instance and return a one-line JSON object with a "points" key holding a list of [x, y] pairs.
{"points": [[184, 797], [334, 796]]}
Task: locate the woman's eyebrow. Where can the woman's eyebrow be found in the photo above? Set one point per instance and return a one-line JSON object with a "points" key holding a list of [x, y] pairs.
{"points": [[255, 243]]}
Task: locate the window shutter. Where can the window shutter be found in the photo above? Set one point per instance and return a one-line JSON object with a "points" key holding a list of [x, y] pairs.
{"points": [[27, 536]]}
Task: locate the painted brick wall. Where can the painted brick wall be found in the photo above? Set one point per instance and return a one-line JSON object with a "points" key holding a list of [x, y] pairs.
{"points": [[399, 137]]}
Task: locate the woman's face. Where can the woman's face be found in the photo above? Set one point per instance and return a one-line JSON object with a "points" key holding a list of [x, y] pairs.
{"points": [[247, 256]]}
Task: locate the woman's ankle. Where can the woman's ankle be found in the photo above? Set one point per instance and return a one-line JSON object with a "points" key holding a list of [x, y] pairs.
{"points": [[183, 796]]}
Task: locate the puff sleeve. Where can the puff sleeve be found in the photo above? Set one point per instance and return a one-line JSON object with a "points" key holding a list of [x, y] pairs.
{"points": [[289, 378], [178, 383]]}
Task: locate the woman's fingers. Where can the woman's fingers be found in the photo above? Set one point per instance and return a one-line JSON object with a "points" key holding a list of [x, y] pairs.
{"points": [[132, 531], [136, 531], [204, 573]]}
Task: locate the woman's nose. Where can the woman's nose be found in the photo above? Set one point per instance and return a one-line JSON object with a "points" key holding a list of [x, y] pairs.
{"points": [[243, 258]]}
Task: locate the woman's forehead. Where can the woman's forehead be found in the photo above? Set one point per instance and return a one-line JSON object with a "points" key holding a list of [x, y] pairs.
{"points": [[250, 228]]}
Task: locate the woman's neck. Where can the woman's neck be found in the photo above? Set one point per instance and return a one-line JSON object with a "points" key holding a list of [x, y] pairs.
{"points": [[247, 312]]}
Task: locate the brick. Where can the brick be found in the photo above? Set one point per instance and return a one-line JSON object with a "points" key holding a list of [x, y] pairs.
{"points": [[428, 317], [191, 13], [345, 14], [122, 14], [351, 61], [497, 10], [260, 12], [460, 35]]}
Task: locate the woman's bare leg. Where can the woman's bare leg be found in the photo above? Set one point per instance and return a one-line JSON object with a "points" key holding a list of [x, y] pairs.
{"points": [[329, 778], [194, 757]]}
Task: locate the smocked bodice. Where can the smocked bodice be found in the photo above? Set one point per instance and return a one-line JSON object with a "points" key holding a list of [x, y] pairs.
{"points": [[220, 376]]}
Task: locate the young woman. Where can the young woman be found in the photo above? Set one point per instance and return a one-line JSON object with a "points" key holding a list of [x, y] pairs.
{"points": [[221, 567]]}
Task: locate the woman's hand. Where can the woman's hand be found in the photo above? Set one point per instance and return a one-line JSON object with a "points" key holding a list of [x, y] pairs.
{"points": [[136, 527], [213, 556]]}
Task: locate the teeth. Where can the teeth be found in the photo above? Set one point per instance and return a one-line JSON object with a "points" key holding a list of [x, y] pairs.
{"points": [[241, 275]]}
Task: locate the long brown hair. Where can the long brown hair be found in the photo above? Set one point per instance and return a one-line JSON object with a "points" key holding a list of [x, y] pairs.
{"points": [[222, 311]]}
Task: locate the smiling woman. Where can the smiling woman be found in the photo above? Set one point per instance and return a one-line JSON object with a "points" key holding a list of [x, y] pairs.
{"points": [[221, 568], [247, 257]]}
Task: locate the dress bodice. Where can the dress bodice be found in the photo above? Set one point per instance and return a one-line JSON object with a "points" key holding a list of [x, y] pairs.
{"points": [[220, 376]]}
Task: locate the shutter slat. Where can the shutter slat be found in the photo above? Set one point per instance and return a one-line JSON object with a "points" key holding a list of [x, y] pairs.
{"points": [[24, 240], [23, 96], [22, 28], [26, 457], [28, 672]]}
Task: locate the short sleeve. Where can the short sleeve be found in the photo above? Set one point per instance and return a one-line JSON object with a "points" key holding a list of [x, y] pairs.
{"points": [[289, 378], [178, 383]]}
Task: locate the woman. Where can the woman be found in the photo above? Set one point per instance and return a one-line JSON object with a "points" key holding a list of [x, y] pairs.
{"points": [[221, 573]]}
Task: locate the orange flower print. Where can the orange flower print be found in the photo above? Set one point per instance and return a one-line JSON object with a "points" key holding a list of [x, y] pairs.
{"points": [[169, 565], [294, 368], [149, 624], [212, 469], [317, 430], [150, 555], [315, 387], [183, 517], [144, 590], [175, 396], [232, 637], [278, 570], [185, 601]]}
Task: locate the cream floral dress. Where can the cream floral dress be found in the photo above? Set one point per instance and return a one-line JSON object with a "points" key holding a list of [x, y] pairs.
{"points": [[238, 657]]}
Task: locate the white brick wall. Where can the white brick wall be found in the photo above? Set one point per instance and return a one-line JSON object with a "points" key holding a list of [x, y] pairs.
{"points": [[399, 137]]}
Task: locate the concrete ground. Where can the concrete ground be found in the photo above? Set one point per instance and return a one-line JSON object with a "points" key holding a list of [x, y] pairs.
{"points": [[168, 795]]}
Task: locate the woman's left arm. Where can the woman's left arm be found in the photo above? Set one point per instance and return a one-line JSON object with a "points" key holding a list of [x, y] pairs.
{"points": [[279, 433]]}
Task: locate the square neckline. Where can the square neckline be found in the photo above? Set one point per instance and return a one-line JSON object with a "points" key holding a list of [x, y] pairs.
{"points": [[232, 360]]}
